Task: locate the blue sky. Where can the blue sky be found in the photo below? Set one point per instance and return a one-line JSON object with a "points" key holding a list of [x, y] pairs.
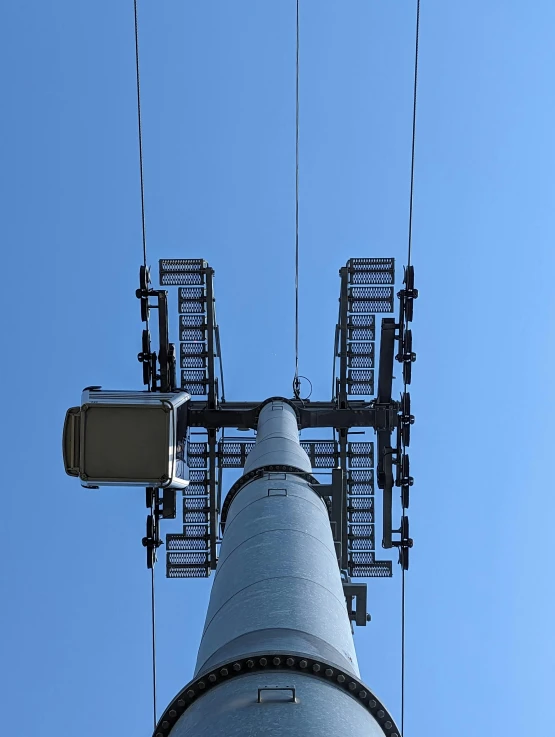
{"points": [[218, 102]]}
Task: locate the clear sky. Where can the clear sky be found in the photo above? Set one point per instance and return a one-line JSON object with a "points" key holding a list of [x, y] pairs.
{"points": [[219, 109]]}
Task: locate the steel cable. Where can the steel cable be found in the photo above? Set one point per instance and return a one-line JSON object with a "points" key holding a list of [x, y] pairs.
{"points": [[141, 170], [296, 381], [409, 253], [140, 126], [153, 610]]}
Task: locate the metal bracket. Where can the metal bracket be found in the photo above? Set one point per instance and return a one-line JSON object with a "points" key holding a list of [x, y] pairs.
{"points": [[358, 592], [337, 491], [274, 689]]}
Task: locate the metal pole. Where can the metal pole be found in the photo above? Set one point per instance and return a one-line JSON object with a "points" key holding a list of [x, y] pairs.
{"points": [[277, 656]]}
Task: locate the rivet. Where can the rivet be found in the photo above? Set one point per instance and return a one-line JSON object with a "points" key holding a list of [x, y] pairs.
{"points": [[165, 725], [372, 704], [211, 677], [290, 661], [263, 661], [352, 686], [316, 667], [180, 702], [362, 694], [303, 663], [172, 713], [224, 672], [276, 661], [190, 693], [329, 672], [250, 663], [388, 725], [201, 684], [340, 678], [237, 666], [381, 713]]}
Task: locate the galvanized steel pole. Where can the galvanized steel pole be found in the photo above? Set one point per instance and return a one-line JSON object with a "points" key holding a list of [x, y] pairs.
{"points": [[277, 655]]}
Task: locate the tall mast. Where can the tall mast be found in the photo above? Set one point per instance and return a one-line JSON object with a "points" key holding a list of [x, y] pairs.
{"points": [[277, 655]]}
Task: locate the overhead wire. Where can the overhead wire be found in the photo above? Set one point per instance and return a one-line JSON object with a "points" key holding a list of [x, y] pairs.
{"points": [[411, 197], [409, 254], [143, 230], [153, 619], [140, 126], [296, 380]]}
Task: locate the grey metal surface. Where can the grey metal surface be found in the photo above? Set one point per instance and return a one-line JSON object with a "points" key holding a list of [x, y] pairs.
{"points": [[277, 440], [277, 589], [232, 710], [278, 570]]}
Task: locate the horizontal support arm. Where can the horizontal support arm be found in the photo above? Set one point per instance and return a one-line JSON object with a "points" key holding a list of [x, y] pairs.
{"points": [[244, 415]]}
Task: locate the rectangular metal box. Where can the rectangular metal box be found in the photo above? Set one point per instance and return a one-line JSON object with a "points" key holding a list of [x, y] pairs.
{"points": [[119, 438]]}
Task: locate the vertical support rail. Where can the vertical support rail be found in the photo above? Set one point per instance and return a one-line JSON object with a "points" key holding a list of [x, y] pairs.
{"points": [[343, 312], [163, 328], [385, 450], [212, 488], [212, 404], [344, 522], [210, 319]]}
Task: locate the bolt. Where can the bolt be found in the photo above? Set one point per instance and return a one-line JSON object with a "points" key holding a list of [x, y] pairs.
{"points": [[329, 672], [172, 713], [303, 663], [362, 695], [290, 661], [224, 672], [211, 677], [316, 667], [276, 661], [263, 662], [237, 666], [341, 678]]}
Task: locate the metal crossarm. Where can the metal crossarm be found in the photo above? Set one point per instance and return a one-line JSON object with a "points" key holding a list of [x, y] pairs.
{"points": [[367, 288]]}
